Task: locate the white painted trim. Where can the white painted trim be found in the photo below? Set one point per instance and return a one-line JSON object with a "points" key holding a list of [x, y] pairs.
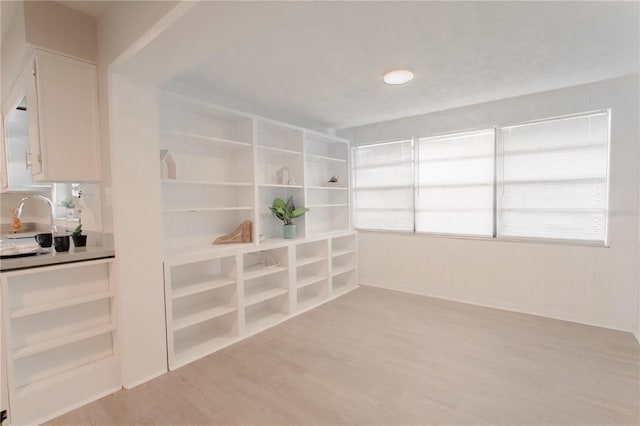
{"points": [[158, 28], [506, 307], [143, 380]]}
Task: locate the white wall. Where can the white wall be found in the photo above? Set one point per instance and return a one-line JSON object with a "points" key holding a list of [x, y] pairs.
{"points": [[120, 25], [138, 267], [48, 25], [58, 28], [138, 225], [15, 51], [584, 284]]}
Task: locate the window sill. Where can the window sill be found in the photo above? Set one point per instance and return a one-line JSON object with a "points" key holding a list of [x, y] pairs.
{"points": [[531, 240]]}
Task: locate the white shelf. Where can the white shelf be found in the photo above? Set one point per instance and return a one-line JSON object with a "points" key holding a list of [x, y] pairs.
{"points": [[336, 253], [325, 158], [310, 280], [203, 139], [335, 188], [310, 260], [275, 185], [327, 205], [61, 341], [262, 293], [206, 209], [280, 150], [263, 318], [198, 285], [61, 304], [306, 301], [342, 270], [203, 183], [47, 380], [250, 274], [184, 321], [339, 290], [193, 347]]}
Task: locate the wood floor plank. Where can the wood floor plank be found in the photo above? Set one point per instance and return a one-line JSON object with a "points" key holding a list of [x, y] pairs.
{"points": [[379, 357]]}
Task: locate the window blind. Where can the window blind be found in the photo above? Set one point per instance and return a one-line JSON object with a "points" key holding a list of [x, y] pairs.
{"points": [[383, 186], [455, 175], [552, 178]]}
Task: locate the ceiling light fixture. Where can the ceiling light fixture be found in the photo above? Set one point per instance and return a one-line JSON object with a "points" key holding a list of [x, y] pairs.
{"points": [[397, 77]]}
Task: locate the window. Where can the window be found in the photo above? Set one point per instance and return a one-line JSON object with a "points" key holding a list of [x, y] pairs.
{"points": [[546, 179], [383, 186], [455, 180], [552, 178]]}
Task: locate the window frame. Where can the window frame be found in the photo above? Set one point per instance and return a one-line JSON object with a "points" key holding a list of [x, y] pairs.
{"points": [[416, 186], [495, 237], [412, 187]]}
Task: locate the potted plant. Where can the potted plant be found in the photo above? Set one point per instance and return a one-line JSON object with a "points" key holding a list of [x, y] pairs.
{"points": [[79, 240], [286, 212], [69, 205]]}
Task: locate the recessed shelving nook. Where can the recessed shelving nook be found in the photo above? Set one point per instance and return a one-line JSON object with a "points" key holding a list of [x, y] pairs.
{"points": [[60, 330], [229, 167], [214, 187]]}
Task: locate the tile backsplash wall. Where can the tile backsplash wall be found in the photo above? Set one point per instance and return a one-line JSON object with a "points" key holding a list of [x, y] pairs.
{"points": [[87, 206], [35, 211]]}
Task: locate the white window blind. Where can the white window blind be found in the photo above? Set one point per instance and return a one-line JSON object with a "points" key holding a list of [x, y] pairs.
{"points": [[383, 186], [552, 178], [454, 193]]}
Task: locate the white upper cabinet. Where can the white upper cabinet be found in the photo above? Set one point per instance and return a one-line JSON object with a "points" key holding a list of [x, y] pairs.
{"points": [[50, 122], [67, 112]]}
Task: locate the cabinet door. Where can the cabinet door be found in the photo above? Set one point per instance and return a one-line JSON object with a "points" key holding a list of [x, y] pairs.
{"points": [[67, 98]]}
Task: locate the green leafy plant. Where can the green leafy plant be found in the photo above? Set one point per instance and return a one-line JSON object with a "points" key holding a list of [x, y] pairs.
{"points": [[286, 211], [77, 231], [68, 203]]}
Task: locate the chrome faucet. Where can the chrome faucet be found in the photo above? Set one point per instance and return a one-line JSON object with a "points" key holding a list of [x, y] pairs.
{"points": [[38, 197]]}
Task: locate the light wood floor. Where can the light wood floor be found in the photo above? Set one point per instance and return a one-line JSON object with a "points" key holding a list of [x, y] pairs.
{"points": [[380, 357]]}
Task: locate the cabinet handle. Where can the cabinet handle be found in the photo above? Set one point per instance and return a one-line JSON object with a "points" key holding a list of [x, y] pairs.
{"points": [[27, 159]]}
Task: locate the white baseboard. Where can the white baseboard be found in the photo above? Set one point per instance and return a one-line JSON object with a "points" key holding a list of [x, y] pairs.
{"points": [[132, 385], [510, 308]]}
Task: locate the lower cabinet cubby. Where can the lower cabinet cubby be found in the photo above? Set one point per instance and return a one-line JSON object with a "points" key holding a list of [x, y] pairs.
{"points": [[47, 365], [343, 282], [196, 308], [266, 287], [311, 280], [196, 341], [59, 325], [266, 313], [202, 308], [217, 297], [312, 294]]}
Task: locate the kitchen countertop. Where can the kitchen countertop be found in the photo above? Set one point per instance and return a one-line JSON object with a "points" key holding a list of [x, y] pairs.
{"points": [[99, 246]]}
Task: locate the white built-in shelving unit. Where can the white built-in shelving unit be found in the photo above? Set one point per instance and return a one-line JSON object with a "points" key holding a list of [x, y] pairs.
{"points": [[214, 187], [222, 295], [60, 328], [329, 201], [229, 168]]}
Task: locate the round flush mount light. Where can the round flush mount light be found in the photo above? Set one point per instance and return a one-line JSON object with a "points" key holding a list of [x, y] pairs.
{"points": [[395, 77]]}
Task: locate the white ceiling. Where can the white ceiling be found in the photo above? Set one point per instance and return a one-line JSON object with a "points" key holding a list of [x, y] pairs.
{"points": [[7, 10], [323, 63], [88, 7]]}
